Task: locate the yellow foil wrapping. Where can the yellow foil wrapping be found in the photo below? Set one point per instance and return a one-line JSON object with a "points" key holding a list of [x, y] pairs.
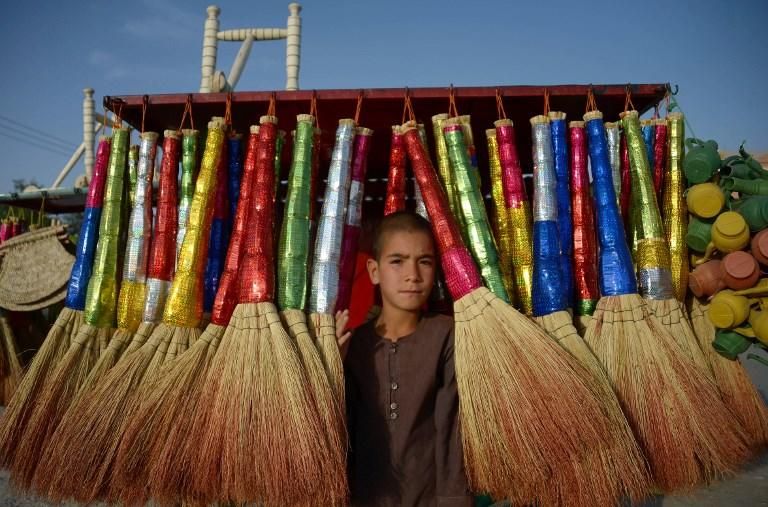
{"points": [[444, 168], [502, 225], [674, 206], [130, 305], [521, 224], [184, 307], [652, 253]]}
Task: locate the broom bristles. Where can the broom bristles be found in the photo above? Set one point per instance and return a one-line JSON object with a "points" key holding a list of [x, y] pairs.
{"points": [[688, 435], [148, 461], [736, 389], [322, 327], [56, 396], [12, 371], [522, 395], [248, 455], [80, 462], [19, 409], [581, 323], [671, 315]]}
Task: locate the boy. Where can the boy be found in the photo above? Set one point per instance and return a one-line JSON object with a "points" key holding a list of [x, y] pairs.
{"points": [[401, 386]]}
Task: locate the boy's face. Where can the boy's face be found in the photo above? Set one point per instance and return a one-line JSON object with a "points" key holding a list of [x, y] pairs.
{"points": [[405, 269]]}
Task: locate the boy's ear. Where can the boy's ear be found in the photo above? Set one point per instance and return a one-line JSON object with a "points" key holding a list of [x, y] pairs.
{"points": [[373, 271]]}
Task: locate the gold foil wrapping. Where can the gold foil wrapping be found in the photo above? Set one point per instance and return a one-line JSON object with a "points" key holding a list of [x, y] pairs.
{"points": [[130, 304], [502, 225], [184, 307], [521, 221], [674, 206]]}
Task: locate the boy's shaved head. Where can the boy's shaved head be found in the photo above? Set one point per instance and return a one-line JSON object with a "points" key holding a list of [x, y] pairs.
{"points": [[400, 221]]}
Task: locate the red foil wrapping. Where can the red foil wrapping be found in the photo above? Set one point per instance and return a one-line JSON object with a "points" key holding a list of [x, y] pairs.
{"points": [[226, 295], [96, 187], [257, 274], [395, 200], [626, 180], [511, 172], [659, 157], [461, 274], [584, 238], [162, 255]]}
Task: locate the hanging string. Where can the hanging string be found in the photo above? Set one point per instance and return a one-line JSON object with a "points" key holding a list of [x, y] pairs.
{"points": [[228, 110], [405, 105], [272, 104], [359, 106], [591, 103], [628, 98], [411, 112], [144, 107], [313, 108], [502, 115], [117, 107], [452, 109], [656, 112], [187, 114], [546, 101]]}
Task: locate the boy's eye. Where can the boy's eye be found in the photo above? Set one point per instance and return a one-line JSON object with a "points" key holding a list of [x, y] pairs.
{"points": [[396, 261]]}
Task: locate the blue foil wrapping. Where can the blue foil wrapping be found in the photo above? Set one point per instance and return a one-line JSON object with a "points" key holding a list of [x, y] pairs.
{"points": [[235, 145], [83, 266], [617, 276], [559, 131], [217, 249], [548, 290], [649, 134]]}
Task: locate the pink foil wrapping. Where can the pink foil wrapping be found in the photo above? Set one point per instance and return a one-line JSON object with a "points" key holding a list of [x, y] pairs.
{"points": [[395, 200], [96, 189], [659, 157]]}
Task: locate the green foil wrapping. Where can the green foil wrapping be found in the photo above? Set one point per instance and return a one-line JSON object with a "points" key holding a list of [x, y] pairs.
{"points": [[473, 212], [101, 298], [187, 187], [133, 169], [293, 244], [444, 169], [502, 226], [674, 205]]}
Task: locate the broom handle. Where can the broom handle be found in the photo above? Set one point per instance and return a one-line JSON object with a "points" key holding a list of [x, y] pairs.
{"points": [[395, 199], [502, 224], [614, 153], [625, 198], [648, 128], [325, 266], [675, 207], [184, 307], [461, 274], [187, 191], [89, 230], [418, 201], [130, 303], [548, 288], [584, 240], [519, 211], [133, 171], [235, 158], [293, 247], [218, 240], [101, 298], [444, 166], [162, 252], [353, 222], [257, 278], [660, 155], [472, 210], [226, 295], [617, 275], [558, 130], [279, 143]]}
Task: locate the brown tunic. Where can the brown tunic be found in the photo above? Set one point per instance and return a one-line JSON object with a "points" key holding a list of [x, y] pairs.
{"points": [[403, 418]]}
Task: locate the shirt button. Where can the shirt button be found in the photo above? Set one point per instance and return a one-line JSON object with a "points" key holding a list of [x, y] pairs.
{"points": [[393, 406], [394, 386], [393, 348], [393, 415]]}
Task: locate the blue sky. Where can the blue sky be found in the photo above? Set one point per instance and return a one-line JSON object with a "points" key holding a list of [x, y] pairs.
{"points": [[715, 51]]}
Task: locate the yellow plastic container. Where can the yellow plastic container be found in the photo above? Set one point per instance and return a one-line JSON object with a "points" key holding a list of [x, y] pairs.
{"points": [[730, 233], [728, 310], [705, 200], [759, 321]]}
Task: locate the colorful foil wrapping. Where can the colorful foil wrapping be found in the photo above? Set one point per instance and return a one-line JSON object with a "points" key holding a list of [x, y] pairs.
{"points": [[659, 156], [653, 274], [325, 262], [584, 239], [625, 199], [235, 158], [617, 275], [420, 208], [226, 295], [130, 303], [294, 243], [444, 166], [89, 230], [279, 143], [101, 298], [353, 222], [548, 288], [395, 199], [187, 190], [558, 130], [184, 307], [257, 276], [133, 167], [518, 214], [461, 274], [472, 210], [648, 128], [219, 233], [502, 225], [162, 253], [674, 206]]}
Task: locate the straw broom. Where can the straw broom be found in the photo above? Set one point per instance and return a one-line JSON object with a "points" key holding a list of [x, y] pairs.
{"points": [[326, 257], [88, 445], [68, 322], [736, 388], [149, 463], [687, 434], [292, 289], [101, 298], [516, 444], [242, 454], [11, 372], [655, 274]]}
